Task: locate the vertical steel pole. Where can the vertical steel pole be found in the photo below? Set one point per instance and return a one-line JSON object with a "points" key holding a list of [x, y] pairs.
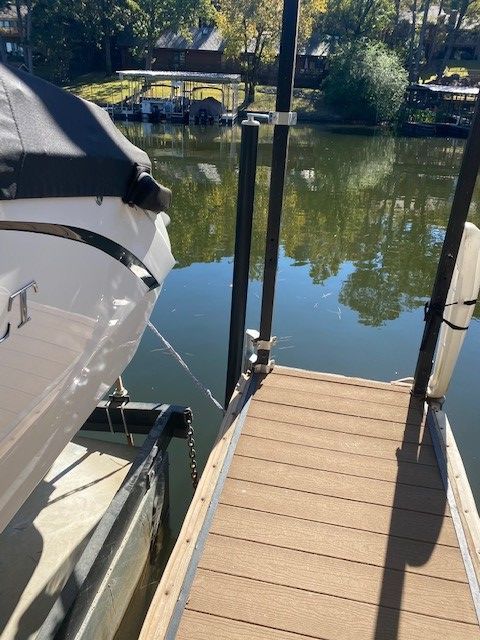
{"points": [[243, 240], [451, 244], [286, 72]]}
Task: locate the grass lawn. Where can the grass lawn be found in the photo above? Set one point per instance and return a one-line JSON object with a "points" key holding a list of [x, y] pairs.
{"points": [[462, 68], [306, 102], [98, 88]]}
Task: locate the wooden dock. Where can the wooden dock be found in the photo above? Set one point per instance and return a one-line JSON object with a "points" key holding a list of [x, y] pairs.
{"points": [[322, 513]]}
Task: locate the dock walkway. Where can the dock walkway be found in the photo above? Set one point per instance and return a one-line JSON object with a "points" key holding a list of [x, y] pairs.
{"points": [[321, 513]]}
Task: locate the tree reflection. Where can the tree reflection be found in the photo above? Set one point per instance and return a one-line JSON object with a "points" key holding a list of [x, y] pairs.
{"points": [[377, 202]]}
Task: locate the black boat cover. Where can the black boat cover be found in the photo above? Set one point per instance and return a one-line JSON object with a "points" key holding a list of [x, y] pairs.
{"points": [[54, 144]]}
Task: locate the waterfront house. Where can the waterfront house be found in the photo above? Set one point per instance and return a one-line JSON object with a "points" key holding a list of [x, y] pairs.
{"points": [[203, 49], [10, 32]]}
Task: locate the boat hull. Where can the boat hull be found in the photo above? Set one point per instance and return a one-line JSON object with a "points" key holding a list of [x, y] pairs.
{"points": [[98, 266]]}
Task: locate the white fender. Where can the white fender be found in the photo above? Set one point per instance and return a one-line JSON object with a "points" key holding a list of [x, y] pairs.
{"points": [[463, 288]]}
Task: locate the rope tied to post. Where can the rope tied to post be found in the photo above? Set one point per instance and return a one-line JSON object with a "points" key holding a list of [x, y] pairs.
{"points": [[431, 309], [205, 390]]}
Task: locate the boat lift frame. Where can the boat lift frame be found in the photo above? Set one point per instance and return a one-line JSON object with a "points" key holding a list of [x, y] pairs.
{"points": [[182, 86], [87, 589]]}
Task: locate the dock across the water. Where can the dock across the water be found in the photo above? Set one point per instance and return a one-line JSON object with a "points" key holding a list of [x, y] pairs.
{"points": [[323, 512]]}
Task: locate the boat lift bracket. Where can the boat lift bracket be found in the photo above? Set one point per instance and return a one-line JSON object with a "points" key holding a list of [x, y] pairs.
{"points": [[252, 345], [139, 416], [286, 118], [265, 368], [266, 345]]}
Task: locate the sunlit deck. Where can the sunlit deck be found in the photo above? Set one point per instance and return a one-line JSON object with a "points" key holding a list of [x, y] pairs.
{"points": [[322, 513]]}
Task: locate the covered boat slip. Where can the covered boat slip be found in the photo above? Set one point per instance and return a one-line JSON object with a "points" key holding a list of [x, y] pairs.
{"points": [[322, 513], [178, 96]]}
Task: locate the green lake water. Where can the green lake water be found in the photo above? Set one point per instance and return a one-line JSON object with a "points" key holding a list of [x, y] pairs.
{"points": [[363, 223]]}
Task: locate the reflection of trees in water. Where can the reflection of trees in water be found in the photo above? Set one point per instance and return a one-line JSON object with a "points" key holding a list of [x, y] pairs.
{"points": [[379, 203], [202, 212], [395, 269]]}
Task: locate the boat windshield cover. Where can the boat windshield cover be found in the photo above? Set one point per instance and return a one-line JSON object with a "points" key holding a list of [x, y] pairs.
{"points": [[54, 144]]}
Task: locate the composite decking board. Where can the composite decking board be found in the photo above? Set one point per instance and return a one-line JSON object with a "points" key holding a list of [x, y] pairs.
{"points": [[313, 614], [324, 439], [345, 406], [345, 380], [412, 525], [329, 421], [337, 390], [349, 463], [204, 626], [339, 542], [342, 578], [339, 485], [332, 524]]}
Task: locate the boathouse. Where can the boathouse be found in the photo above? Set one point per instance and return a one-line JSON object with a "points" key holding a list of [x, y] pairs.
{"points": [[178, 96]]}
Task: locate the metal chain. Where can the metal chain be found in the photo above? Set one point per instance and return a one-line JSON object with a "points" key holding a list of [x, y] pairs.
{"points": [[192, 454]]}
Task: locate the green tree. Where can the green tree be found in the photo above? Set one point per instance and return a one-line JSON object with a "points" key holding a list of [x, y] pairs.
{"points": [[104, 19], [251, 29], [154, 17], [58, 33], [366, 83], [62, 29], [412, 35], [354, 19], [417, 52]]}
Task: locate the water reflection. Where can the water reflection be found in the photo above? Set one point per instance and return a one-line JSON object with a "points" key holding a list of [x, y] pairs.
{"points": [[363, 225], [376, 202]]}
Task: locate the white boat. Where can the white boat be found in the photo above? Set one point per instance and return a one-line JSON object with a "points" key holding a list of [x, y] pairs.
{"points": [[83, 254]]}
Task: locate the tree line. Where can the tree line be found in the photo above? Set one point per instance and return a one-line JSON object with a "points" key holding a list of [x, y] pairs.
{"points": [[64, 35], [57, 33]]}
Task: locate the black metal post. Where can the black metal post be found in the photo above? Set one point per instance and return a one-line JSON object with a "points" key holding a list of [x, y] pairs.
{"points": [[243, 241], [286, 72], [451, 244]]}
